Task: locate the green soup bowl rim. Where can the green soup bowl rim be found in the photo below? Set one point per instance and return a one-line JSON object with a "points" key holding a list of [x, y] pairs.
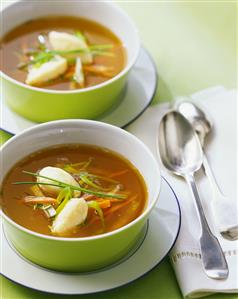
{"points": [[146, 211]]}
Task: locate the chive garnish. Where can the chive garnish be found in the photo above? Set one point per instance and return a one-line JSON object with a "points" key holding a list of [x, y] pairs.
{"points": [[64, 185], [44, 56]]}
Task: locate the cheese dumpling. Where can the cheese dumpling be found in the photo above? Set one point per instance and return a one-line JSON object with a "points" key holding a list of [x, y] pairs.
{"points": [[74, 213], [58, 174], [47, 71], [62, 41]]}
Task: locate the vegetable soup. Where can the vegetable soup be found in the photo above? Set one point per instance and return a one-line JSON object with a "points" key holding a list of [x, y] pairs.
{"points": [[61, 53], [73, 191]]}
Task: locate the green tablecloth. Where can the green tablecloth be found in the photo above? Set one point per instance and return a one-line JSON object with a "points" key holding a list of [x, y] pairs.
{"points": [[194, 47]]}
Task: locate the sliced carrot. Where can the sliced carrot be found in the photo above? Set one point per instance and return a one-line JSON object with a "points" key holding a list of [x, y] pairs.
{"points": [[100, 70], [109, 198], [111, 210], [40, 200], [114, 200], [88, 196], [37, 191], [104, 204], [69, 73], [119, 173], [114, 208], [91, 220]]}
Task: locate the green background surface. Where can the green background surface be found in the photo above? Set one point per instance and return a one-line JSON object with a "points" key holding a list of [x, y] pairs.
{"points": [[194, 46]]}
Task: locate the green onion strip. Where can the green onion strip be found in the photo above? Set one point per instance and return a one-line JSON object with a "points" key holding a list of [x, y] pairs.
{"points": [[63, 185]]}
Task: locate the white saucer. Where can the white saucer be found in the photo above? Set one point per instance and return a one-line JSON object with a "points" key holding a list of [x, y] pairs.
{"points": [[138, 94], [160, 235]]}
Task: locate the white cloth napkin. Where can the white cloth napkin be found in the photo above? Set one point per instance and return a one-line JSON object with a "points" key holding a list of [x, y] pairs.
{"points": [[221, 151]]}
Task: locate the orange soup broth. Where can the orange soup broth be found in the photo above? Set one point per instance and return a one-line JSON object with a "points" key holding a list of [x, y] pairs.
{"points": [[104, 163], [26, 35]]}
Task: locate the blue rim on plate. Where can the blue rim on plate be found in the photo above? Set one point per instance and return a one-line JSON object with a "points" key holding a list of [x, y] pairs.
{"points": [[139, 92], [154, 92], [123, 261]]}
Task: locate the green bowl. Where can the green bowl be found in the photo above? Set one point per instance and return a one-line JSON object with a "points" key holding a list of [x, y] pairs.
{"points": [[89, 253], [73, 255], [41, 105]]}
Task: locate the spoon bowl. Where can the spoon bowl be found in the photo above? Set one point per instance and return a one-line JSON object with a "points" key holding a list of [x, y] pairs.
{"points": [[179, 146], [197, 118]]}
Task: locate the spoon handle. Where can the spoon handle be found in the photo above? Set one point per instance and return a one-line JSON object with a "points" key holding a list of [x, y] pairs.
{"points": [[213, 258]]}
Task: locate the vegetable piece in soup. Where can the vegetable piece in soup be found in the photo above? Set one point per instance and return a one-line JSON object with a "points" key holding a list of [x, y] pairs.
{"points": [[73, 191], [61, 53]]}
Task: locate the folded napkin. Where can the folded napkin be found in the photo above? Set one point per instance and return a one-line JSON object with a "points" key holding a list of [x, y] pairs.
{"points": [[221, 151]]}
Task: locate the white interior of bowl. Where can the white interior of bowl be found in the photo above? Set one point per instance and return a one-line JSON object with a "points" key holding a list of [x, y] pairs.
{"points": [[102, 12], [84, 132]]}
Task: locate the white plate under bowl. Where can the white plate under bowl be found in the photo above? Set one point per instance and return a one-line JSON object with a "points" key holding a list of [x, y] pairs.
{"points": [[158, 239], [138, 94]]}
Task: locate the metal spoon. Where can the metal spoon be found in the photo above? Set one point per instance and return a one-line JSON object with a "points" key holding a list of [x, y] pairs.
{"points": [[225, 214], [181, 153]]}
